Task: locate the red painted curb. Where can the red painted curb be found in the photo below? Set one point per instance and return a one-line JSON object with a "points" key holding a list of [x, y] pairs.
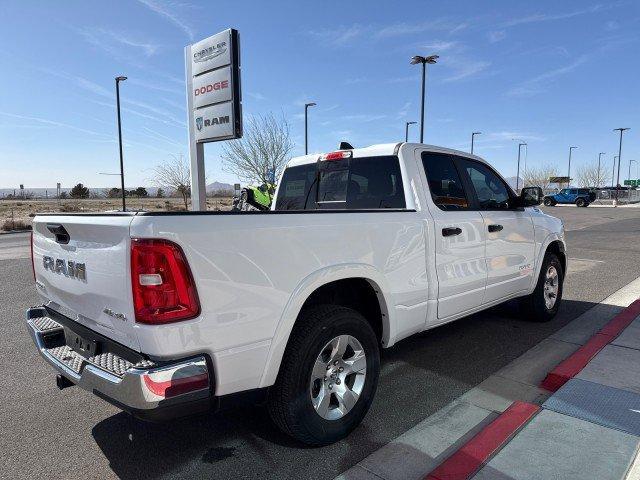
{"points": [[467, 460], [572, 365]]}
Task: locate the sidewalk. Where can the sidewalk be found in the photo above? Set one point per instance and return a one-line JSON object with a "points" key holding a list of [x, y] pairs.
{"points": [[511, 428]]}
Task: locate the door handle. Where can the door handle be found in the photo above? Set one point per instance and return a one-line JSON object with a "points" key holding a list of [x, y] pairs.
{"points": [[495, 228], [450, 231]]}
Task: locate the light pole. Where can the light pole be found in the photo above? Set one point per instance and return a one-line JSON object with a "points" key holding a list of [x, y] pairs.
{"points": [[613, 172], [416, 59], [306, 140], [473, 134], [569, 170], [630, 171], [621, 130], [599, 157], [406, 130], [118, 80]]}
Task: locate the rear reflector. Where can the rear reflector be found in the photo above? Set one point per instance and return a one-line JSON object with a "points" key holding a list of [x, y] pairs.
{"points": [[336, 156], [176, 386], [162, 284]]}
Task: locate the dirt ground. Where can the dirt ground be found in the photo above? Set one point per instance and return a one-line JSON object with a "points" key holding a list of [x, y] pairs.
{"points": [[15, 214]]}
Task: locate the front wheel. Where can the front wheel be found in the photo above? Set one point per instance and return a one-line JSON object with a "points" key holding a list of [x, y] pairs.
{"points": [[542, 305], [549, 202], [328, 376]]}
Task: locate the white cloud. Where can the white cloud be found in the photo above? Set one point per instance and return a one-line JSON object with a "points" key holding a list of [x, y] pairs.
{"points": [[440, 46], [404, 28], [164, 10], [338, 36], [464, 68], [496, 36], [256, 96], [402, 113], [53, 123], [539, 83], [363, 118], [549, 17], [507, 135]]}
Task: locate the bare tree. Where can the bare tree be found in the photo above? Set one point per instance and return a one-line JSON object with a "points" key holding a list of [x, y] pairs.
{"points": [[262, 152], [589, 176], [539, 177], [174, 174]]}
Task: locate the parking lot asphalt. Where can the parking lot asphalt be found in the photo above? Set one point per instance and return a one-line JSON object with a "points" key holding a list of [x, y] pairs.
{"points": [[69, 434]]}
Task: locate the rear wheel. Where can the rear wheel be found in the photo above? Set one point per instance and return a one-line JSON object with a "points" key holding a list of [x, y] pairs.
{"points": [[328, 376], [542, 305], [580, 202]]}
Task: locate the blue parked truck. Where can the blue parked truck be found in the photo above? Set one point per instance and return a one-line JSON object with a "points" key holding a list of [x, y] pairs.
{"points": [[582, 197]]}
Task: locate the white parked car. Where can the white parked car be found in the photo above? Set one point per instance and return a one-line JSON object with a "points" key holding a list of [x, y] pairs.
{"points": [[174, 313]]}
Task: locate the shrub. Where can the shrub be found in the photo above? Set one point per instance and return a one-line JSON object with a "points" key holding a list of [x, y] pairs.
{"points": [[15, 225]]}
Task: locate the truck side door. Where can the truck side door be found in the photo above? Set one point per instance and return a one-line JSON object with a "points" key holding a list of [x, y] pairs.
{"points": [[459, 237], [510, 243]]}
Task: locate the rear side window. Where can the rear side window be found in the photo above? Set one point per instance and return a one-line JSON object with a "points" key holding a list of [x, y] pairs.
{"points": [[296, 188], [351, 183], [445, 185]]}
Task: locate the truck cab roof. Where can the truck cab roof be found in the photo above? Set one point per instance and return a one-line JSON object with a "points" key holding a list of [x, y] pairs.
{"points": [[381, 149]]}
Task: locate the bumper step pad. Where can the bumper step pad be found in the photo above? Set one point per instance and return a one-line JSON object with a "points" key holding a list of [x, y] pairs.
{"points": [[109, 362]]}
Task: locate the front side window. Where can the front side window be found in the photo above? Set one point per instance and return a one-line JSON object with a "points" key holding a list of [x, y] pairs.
{"points": [[444, 181], [491, 191]]}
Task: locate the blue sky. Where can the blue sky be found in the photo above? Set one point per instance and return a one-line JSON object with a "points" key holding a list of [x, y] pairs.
{"points": [[552, 73]]}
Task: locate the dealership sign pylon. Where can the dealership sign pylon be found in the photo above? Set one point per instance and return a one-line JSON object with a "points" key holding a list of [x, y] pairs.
{"points": [[214, 101]]}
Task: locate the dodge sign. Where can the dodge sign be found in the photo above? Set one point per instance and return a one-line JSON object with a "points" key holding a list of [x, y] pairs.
{"points": [[213, 88]]}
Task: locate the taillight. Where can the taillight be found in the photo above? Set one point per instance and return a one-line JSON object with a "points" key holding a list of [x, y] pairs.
{"points": [[33, 263], [163, 287]]}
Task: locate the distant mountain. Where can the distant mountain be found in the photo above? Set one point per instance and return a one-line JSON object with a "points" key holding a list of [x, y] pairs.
{"points": [[216, 187]]}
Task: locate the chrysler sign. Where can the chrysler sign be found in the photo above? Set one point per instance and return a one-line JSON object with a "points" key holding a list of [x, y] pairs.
{"points": [[213, 88]]}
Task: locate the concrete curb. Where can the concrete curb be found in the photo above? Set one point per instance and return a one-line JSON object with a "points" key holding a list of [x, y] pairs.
{"points": [[466, 461], [571, 366]]}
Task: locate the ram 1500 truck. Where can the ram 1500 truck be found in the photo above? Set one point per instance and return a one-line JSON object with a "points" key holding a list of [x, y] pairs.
{"points": [[173, 313]]}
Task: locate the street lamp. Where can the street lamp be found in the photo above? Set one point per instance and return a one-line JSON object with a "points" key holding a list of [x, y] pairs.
{"points": [[406, 130], [569, 170], [306, 140], [416, 59], [599, 157], [521, 143], [630, 170], [613, 172], [473, 134], [118, 80], [621, 130]]}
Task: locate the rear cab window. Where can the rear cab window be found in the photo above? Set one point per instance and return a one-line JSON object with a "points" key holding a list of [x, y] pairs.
{"points": [[347, 184]]}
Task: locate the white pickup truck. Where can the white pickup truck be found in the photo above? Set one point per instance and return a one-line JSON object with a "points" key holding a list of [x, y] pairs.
{"points": [[173, 313]]}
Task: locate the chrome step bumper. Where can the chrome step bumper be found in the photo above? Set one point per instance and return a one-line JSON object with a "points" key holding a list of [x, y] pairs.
{"points": [[136, 387]]}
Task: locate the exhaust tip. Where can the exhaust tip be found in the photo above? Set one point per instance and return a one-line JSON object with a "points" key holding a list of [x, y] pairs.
{"points": [[63, 382]]}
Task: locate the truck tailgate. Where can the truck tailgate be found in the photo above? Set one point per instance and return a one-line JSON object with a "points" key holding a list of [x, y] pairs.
{"points": [[81, 265]]}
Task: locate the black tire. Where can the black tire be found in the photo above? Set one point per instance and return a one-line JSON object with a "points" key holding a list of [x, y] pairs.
{"points": [[549, 202], [290, 403], [580, 202], [586, 204], [534, 307]]}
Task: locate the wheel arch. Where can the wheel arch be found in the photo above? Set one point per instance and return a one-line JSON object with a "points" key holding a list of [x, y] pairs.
{"points": [[361, 281]]}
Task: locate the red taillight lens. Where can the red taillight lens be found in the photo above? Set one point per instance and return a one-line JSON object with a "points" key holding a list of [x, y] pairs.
{"points": [[163, 287], [33, 263]]}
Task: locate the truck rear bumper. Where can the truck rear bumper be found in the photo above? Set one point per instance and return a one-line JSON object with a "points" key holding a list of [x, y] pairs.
{"points": [[147, 389]]}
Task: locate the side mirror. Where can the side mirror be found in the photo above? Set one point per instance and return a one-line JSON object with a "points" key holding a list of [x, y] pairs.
{"points": [[531, 196]]}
